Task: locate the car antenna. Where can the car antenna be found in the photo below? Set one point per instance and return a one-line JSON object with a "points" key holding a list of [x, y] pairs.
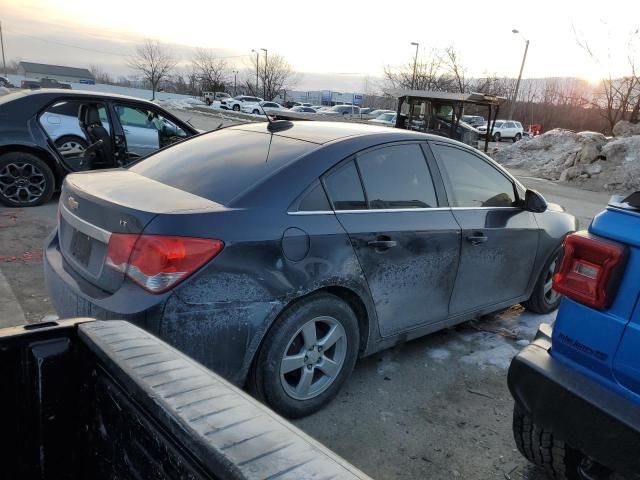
{"points": [[275, 125]]}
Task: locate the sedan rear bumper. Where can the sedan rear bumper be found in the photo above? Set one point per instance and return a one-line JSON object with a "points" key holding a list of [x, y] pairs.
{"points": [[587, 415], [223, 336]]}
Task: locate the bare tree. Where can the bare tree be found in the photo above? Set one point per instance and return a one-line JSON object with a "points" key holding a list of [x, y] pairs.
{"points": [[100, 75], [435, 71], [275, 76], [210, 69], [154, 61]]}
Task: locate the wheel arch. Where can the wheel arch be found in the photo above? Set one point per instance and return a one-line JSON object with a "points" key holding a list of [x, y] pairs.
{"points": [[364, 315]]}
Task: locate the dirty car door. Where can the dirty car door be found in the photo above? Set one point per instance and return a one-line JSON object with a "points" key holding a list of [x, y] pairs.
{"points": [[408, 248], [499, 240]]}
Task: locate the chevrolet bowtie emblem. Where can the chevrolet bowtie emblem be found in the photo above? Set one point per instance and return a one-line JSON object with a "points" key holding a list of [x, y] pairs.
{"points": [[73, 205]]}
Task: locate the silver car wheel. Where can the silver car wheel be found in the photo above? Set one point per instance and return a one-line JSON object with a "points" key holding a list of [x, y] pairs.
{"points": [[314, 358]]}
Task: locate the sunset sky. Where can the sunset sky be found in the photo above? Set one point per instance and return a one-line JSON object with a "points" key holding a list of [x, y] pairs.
{"points": [[345, 41]]}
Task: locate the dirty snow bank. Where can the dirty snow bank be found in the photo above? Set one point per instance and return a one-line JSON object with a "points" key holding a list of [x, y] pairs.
{"points": [[180, 103], [587, 159]]}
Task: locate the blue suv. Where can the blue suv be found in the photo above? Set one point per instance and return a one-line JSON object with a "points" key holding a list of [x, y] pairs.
{"points": [[577, 386]]}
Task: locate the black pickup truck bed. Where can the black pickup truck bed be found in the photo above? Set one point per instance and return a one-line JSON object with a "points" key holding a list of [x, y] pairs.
{"points": [[107, 400]]}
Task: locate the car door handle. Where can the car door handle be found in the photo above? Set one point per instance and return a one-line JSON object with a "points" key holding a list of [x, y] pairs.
{"points": [[477, 238], [382, 244]]}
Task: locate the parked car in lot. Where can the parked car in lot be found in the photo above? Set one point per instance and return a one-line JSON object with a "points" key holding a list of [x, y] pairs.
{"points": [[344, 110], [4, 82], [45, 134], [503, 129], [210, 97], [302, 109], [258, 108], [377, 113], [388, 119], [237, 102], [44, 83], [84, 399], [474, 120], [577, 386], [262, 257]]}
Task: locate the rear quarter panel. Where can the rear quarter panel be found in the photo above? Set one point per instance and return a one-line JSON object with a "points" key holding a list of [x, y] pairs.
{"points": [[232, 302]]}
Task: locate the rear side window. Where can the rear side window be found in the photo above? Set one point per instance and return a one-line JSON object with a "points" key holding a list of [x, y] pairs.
{"points": [[397, 177], [222, 165], [471, 181], [344, 188], [315, 201]]}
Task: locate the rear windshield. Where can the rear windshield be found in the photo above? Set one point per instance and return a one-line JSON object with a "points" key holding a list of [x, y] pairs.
{"points": [[221, 165]]}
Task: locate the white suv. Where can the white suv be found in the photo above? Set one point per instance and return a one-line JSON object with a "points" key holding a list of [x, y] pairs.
{"points": [[236, 103], [504, 129]]}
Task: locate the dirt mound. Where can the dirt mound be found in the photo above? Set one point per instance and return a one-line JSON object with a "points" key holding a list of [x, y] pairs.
{"points": [[626, 129], [587, 159]]}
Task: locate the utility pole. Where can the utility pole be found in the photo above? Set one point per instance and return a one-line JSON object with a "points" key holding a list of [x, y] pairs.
{"points": [[257, 64], [235, 83], [4, 64], [264, 81], [524, 58], [415, 62]]}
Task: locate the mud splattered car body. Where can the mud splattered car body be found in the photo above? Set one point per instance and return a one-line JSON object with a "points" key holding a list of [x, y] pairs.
{"points": [[371, 217]]}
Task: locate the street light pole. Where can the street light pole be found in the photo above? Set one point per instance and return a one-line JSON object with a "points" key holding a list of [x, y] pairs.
{"points": [[264, 80], [524, 58], [4, 65], [415, 62], [235, 83], [257, 64]]}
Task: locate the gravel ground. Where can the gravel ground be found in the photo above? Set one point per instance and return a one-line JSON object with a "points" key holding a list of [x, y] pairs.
{"points": [[437, 407]]}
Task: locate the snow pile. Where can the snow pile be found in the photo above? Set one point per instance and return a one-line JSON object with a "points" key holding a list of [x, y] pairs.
{"points": [[585, 158], [626, 129], [180, 103]]}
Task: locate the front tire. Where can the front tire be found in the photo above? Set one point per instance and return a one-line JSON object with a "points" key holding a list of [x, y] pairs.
{"points": [[25, 180], [543, 298], [497, 137], [71, 142], [307, 356], [236, 108], [256, 112], [517, 138]]}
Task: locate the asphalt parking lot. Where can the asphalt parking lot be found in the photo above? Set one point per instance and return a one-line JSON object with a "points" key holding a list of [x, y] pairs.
{"points": [[436, 407]]}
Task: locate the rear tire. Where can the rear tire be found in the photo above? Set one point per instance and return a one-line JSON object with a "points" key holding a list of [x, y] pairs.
{"points": [[25, 180], [543, 449], [291, 353], [544, 299]]}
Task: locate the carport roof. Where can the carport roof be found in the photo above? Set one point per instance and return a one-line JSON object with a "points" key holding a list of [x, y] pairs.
{"points": [[474, 97], [61, 70]]}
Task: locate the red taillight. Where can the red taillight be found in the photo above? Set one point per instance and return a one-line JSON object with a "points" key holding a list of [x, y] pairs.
{"points": [[156, 262], [590, 270]]}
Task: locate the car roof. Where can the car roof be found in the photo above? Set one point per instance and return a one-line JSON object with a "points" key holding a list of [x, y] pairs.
{"points": [[57, 92], [324, 132]]}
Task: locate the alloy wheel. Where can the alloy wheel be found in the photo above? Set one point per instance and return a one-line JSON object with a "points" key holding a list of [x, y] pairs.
{"points": [[22, 182], [71, 145], [314, 358], [550, 295]]}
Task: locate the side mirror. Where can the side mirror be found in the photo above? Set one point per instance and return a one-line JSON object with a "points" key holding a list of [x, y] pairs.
{"points": [[534, 202]]}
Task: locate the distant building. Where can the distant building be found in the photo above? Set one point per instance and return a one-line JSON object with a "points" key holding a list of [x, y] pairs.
{"points": [[57, 72]]}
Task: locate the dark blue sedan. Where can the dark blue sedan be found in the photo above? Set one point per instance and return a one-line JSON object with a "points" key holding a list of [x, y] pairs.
{"points": [[277, 254]]}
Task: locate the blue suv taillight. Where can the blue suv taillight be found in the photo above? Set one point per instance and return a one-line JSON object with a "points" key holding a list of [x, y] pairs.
{"points": [[590, 270]]}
